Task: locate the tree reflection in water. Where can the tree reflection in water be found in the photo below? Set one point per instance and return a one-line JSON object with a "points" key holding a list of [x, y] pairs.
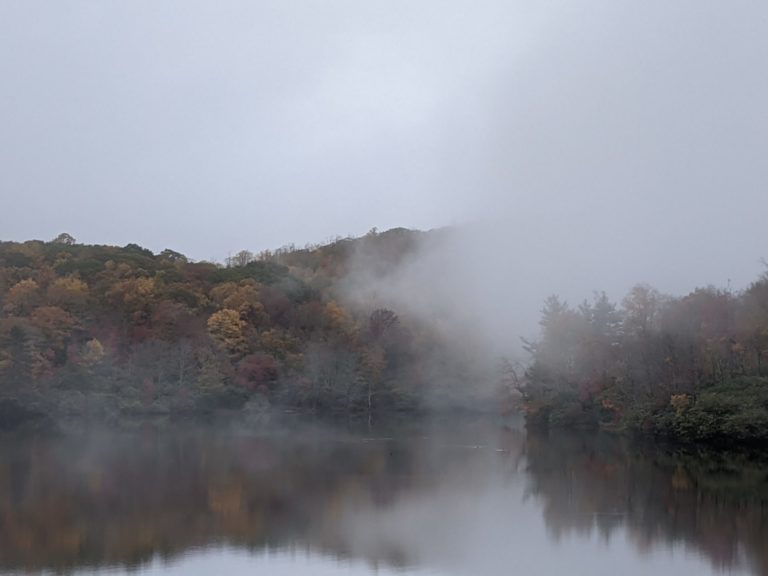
{"points": [[398, 497], [713, 501]]}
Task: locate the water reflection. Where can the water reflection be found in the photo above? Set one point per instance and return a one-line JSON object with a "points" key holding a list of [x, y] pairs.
{"points": [[714, 502], [459, 499]]}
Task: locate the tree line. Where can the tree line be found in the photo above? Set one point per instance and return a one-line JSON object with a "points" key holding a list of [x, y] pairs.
{"points": [[112, 330], [692, 367]]}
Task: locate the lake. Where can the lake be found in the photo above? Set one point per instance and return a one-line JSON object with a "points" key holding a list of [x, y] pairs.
{"points": [[449, 497]]}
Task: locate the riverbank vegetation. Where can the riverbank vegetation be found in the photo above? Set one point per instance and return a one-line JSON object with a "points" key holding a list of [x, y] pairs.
{"points": [[692, 367]]}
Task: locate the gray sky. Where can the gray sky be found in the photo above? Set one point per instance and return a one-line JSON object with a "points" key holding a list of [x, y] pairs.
{"points": [[635, 133]]}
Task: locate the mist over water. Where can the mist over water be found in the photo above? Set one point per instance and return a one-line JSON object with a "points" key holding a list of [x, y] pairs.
{"points": [[455, 498]]}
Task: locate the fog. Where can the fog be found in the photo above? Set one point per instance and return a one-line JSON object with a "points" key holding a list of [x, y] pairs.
{"points": [[577, 147]]}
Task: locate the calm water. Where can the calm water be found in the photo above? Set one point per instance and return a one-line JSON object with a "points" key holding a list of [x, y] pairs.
{"points": [[440, 499]]}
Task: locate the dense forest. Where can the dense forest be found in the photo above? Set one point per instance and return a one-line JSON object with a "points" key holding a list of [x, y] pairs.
{"points": [[692, 367], [104, 331], [108, 331]]}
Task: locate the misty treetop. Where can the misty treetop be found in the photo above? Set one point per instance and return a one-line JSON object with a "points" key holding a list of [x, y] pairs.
{"points": [[107, 330], [692, 367]]}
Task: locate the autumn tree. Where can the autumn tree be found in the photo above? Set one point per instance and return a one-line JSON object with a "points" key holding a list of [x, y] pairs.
{"points": [[244, 297], [228, 329], [68, 292], [56, 326], [257, 372], [22, 298]]}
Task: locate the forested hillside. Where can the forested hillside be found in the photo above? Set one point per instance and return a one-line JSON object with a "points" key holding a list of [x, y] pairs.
{"points": [[694, 367], [107, 330], [110, 331]]}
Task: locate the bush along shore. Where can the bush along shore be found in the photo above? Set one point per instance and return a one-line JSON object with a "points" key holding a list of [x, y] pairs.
{"points": [[691, 368]]}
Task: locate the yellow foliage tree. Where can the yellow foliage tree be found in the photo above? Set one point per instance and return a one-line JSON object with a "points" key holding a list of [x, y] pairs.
{"points": [[228, 329], [337, 318], [69, 293], [136, 296], [243, 297], [93, 352], [22, 298]]}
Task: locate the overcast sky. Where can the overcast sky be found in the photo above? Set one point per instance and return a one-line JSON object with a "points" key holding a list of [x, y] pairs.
{"points": [[635, 129]]}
